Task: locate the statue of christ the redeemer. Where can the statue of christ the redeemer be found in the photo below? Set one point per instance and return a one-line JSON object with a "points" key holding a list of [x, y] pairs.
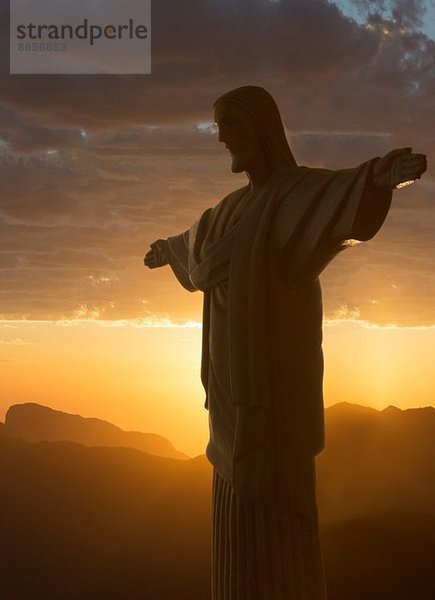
{"points": [[257, 256]]}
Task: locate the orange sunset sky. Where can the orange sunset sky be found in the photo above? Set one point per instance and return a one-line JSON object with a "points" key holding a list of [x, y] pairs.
{"points": [[94, 168]]}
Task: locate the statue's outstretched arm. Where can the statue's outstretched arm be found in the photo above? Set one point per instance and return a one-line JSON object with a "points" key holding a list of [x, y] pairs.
{"points": [[396, 169]]}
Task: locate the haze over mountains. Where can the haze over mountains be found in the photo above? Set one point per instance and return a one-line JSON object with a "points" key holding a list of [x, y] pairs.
{"points": [[376, 460], [373, 460], [105, 523], [100, 523]]}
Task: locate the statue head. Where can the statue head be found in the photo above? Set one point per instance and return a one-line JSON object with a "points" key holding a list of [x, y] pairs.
{"points": [[250, 125]]}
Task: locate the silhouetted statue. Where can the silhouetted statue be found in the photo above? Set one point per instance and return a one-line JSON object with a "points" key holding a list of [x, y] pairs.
{"points": [[257, 256]]}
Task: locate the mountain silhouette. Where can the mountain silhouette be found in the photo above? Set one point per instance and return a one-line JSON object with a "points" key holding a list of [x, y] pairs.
{"points": [[99, 523], [376, 460], [103, 523], [34, 423]]}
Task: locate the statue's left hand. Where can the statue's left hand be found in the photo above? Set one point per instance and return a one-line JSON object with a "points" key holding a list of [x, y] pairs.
{"points": [[157, 256], [399, 166]]}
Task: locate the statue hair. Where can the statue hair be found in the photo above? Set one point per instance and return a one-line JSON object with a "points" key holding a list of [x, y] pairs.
{"points": [[262, 110]]}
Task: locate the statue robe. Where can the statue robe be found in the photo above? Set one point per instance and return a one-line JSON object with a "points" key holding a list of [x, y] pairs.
{"points": [[257, 256]]}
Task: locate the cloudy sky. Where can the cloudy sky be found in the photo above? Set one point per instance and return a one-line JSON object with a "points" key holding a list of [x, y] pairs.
{"points": [[94, 168]]}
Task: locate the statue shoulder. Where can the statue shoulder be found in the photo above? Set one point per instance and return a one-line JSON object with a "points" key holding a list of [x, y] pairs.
{"points": [[230, 200], [215, 212], [235, 195]]}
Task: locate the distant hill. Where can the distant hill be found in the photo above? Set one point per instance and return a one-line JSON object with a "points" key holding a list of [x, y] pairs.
{"points": [[99, 523], [103, 523], [34, 423], [373, 460], [81, 523], [376, 460]]}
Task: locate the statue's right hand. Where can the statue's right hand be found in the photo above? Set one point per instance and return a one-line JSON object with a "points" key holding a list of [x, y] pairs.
{"points": [[157, 256]]}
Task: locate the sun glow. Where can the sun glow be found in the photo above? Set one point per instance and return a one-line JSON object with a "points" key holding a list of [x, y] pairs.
{"points": [[145, 374]]}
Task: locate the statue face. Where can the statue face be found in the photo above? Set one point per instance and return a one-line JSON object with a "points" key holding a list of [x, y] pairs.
{"points": [[237, 132]]}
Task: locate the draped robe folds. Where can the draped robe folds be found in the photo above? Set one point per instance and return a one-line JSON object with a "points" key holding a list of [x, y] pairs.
{"points": [[257, 256]]}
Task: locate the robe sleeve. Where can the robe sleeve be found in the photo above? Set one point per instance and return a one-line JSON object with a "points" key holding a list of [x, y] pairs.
{"points": [[364, 212], [326, 210], [178, 258]]}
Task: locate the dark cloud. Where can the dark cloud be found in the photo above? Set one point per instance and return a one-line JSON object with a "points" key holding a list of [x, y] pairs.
{"points": [[409, 13], [26, 135], [338, 150], [94, 168], [201, 48], [391, 278]]}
